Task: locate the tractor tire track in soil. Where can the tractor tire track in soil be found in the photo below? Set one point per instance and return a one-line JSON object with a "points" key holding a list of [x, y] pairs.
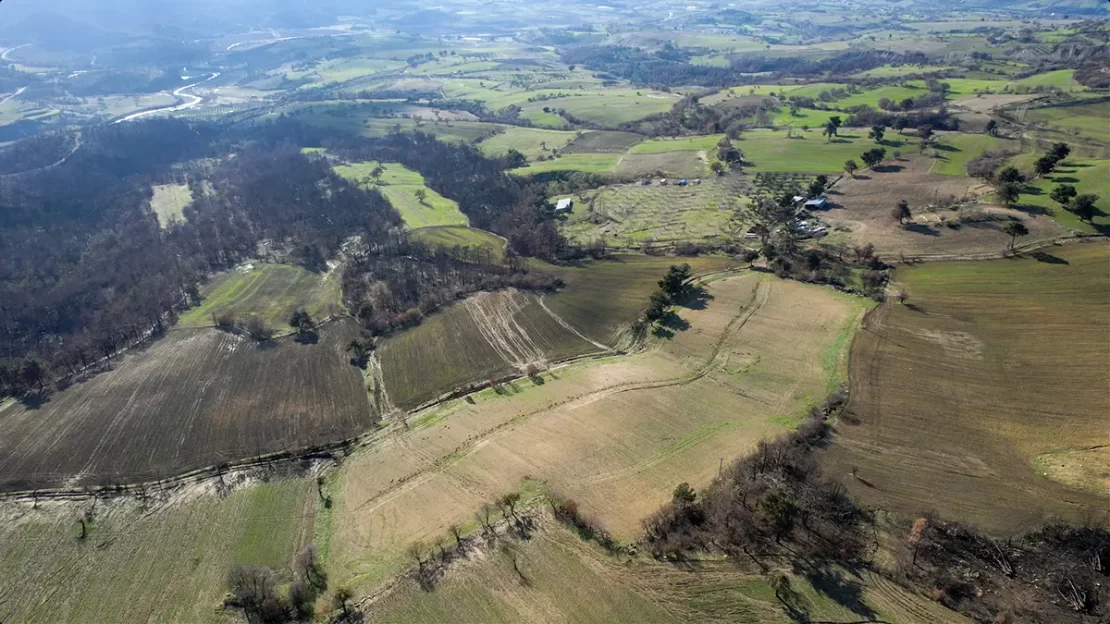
{"points": [[558, 319], [495, 315], [472, 444]]}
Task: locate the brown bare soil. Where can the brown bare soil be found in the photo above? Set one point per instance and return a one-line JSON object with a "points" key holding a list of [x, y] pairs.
{"points": [[970, 400], [196, 398], [863, 205], [987, 103]]}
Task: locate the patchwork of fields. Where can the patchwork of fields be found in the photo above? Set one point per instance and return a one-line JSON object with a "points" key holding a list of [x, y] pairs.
{"points": [[968, 400], [196, 398]]}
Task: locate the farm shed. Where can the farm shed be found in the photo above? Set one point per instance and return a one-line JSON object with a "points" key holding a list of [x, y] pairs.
{"points": [[564, 205], [817, 203]]}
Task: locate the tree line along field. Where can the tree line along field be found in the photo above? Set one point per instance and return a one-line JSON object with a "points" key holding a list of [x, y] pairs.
{"points": [[569, 580], [739, 366], [984, 397], [194, 399]]}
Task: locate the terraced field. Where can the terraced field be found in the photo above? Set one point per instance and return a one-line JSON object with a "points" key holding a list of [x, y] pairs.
{"points": [[630, 216], [196, 398], [614, 434], [996, 368]]}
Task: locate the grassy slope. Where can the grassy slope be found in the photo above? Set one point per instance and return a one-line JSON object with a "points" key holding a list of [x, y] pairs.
{"points": [[458, 235], [956, 149], [956, 397], [1087, 176], [1092, 120], [771, 151], [272, 291], [528, 141], [590, 163], [400, 185], [168, 565]]}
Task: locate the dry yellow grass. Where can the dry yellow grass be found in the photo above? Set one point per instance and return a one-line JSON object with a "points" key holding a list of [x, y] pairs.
{"points": [[616, 435]]}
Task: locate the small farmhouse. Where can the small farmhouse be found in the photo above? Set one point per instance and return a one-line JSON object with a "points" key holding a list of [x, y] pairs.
{"points": [[564, 205], [817, 203]]}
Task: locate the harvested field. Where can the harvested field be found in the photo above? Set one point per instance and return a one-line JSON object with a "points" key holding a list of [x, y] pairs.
{"points": [[985, 103], [632, 215], [195, 398], [168, 200], [572, 581], [489, 335], [271, 291], [615, 434], [863, 205], [956, 398], [168, 563]]}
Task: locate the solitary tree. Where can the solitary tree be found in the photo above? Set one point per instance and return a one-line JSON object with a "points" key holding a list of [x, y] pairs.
{"points": [[1063, 194], [902, 211], [830, 130], [416, 551], [850, 167], [1015, 229], [377, 172], [1009, 192], [877, 133], [302, 322], [749, 256], [1084, 206], [873, 156], [992, 127], [421, 195], [674, 281]]}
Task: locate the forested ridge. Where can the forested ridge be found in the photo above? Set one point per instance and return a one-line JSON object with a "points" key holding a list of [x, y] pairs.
{"points": [[86, 269]]}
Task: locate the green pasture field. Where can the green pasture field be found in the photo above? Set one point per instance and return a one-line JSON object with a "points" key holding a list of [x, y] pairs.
{"points": [[168, 564], [958, 394], [528, 141], [770, 150], [632, 215], [890, 71], [400, 185], [696, 143], [589, 163], [271, 291], [449, 236], [956, 149], [1087, 176], [1091, 120], [610, 107]]}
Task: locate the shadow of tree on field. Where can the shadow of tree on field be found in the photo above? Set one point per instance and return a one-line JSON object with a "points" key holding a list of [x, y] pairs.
{"points": [[841, 588], [695, 298], [1048, 258], [887, 168], [669, 325], [921, 228]]}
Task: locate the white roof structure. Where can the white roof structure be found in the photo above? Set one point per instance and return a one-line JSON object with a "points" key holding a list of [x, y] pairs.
{"points": [[564, 204]]}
